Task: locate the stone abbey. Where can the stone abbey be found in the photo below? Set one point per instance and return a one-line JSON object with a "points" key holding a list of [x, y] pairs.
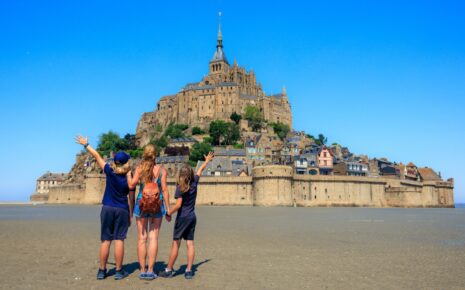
{"points": [[225, 90]]}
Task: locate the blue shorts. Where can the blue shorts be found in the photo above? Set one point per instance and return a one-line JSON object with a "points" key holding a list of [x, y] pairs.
{"points": [[138, 214], [114, 222]]}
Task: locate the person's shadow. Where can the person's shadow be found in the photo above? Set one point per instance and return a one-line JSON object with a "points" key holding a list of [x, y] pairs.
{"points": [[182, 269], [159, 266], [130, 268]]}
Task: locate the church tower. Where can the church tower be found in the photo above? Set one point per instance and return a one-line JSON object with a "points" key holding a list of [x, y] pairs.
{"points": [[219, 64]]}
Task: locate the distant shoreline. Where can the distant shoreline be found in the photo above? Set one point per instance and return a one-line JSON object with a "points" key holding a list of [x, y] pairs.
{"points": [[21, 202], [25, 203]]}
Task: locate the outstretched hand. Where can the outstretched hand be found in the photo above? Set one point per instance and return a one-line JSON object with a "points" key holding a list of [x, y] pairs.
{"points": [[209, 157], [81, 140]]}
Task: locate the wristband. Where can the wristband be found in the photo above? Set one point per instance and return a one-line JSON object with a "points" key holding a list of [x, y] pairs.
{"points": [[85, 145]]}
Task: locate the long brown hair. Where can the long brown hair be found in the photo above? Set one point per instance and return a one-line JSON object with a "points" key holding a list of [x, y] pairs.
{"points": [[148, 162], [186, 175]]}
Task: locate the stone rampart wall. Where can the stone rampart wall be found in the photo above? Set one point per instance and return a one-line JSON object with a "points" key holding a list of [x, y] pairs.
{"points": [[278, 186]]}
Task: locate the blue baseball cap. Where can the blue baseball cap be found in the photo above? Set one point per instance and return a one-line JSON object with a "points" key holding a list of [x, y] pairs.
{"points": [[121, 157]]}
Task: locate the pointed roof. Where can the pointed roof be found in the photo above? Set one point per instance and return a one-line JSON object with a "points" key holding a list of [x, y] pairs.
{"points": [[219, 53]]}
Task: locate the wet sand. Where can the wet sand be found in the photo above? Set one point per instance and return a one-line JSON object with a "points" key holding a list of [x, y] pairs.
{"points": [[56, 247]]}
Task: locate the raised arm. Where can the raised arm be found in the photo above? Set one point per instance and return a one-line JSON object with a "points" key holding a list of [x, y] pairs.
{"points": [[85, 142], [202, 167]]}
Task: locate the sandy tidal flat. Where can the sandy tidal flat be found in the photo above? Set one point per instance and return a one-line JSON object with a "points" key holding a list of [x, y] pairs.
{"points": [[56, 247]]}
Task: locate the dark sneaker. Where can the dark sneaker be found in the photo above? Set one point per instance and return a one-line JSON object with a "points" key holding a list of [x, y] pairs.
{"points": [[188, 275], [101, 274], [121, 274], [166, 274]]}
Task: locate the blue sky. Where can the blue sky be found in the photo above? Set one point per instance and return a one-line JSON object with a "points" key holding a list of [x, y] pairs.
{"points": [[384, 78]]}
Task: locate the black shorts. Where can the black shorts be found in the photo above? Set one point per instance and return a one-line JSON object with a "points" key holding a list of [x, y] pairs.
{"points": [[114, 223], [184, 228]]}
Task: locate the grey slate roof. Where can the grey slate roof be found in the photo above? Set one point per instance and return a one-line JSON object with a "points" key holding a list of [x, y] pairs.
{"points": [[183, 139], [226, 84], [230, 152], [172, 159], [206, 87], [277, 96], [219, 55], [49, 176]]}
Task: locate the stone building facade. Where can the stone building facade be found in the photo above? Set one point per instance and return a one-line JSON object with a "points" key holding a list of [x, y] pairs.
{"points": [[226, 89]]}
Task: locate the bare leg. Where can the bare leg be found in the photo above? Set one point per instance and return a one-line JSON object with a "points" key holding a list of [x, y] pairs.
{"points": [[119, 254], [190, 254], [174, 254], [154, 229], [104, 252], [141, 241]]}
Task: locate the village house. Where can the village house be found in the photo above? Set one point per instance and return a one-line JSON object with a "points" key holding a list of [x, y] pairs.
{"points": [[351, 168], [182, 142], [383, 167], [409, 171], [232, 154], [45, 182], [325, 161], [172, 163], [306, 164], [223, 166]]}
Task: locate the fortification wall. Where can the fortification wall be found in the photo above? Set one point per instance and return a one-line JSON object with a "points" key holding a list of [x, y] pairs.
{"points": [[220, 190], [278, 186], [69, 193], [338, 191]]}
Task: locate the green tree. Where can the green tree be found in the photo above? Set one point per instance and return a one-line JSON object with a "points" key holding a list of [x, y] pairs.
{"points": [[322, 140], [280, 129], [197, 131], [175, 130], [254, 116], [130, 140], [311, 137], [224, 133], [236, 117], [217, 131], [111, 142], [239, 146], [159, 143], [232, 133], [208, 140], [198, 151]]}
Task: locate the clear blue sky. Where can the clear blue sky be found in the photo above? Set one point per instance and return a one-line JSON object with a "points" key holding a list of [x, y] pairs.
{"points": [[385, 79]]}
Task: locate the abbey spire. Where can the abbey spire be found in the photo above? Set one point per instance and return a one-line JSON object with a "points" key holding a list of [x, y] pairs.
{"points": [[219, 61]]}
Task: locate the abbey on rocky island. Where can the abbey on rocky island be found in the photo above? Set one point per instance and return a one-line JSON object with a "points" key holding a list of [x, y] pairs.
{"points": [[225, 90]]}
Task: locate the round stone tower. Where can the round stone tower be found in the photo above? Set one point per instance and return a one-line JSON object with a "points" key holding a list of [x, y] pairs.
{"points": [[272, 185]]}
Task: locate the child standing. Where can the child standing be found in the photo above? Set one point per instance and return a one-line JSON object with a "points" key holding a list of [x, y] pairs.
{"points": [[115, 216], [184, 227]]}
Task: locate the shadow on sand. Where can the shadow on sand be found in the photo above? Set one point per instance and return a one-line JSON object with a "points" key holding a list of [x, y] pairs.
{"points": [[159, 266], [182, 269]]}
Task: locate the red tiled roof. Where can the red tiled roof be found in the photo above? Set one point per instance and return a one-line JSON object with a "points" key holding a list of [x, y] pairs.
{"points": [[428, 174]]}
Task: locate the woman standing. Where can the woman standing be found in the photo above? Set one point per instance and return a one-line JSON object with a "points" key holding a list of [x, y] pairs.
{"points": [[148, 225]]}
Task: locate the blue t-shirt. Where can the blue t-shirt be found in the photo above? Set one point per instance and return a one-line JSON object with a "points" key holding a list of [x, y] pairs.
{"points": [[187, 208], [116, 189]]}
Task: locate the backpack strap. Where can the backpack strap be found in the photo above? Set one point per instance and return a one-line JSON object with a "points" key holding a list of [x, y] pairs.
{"points": [[156, 177]]}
